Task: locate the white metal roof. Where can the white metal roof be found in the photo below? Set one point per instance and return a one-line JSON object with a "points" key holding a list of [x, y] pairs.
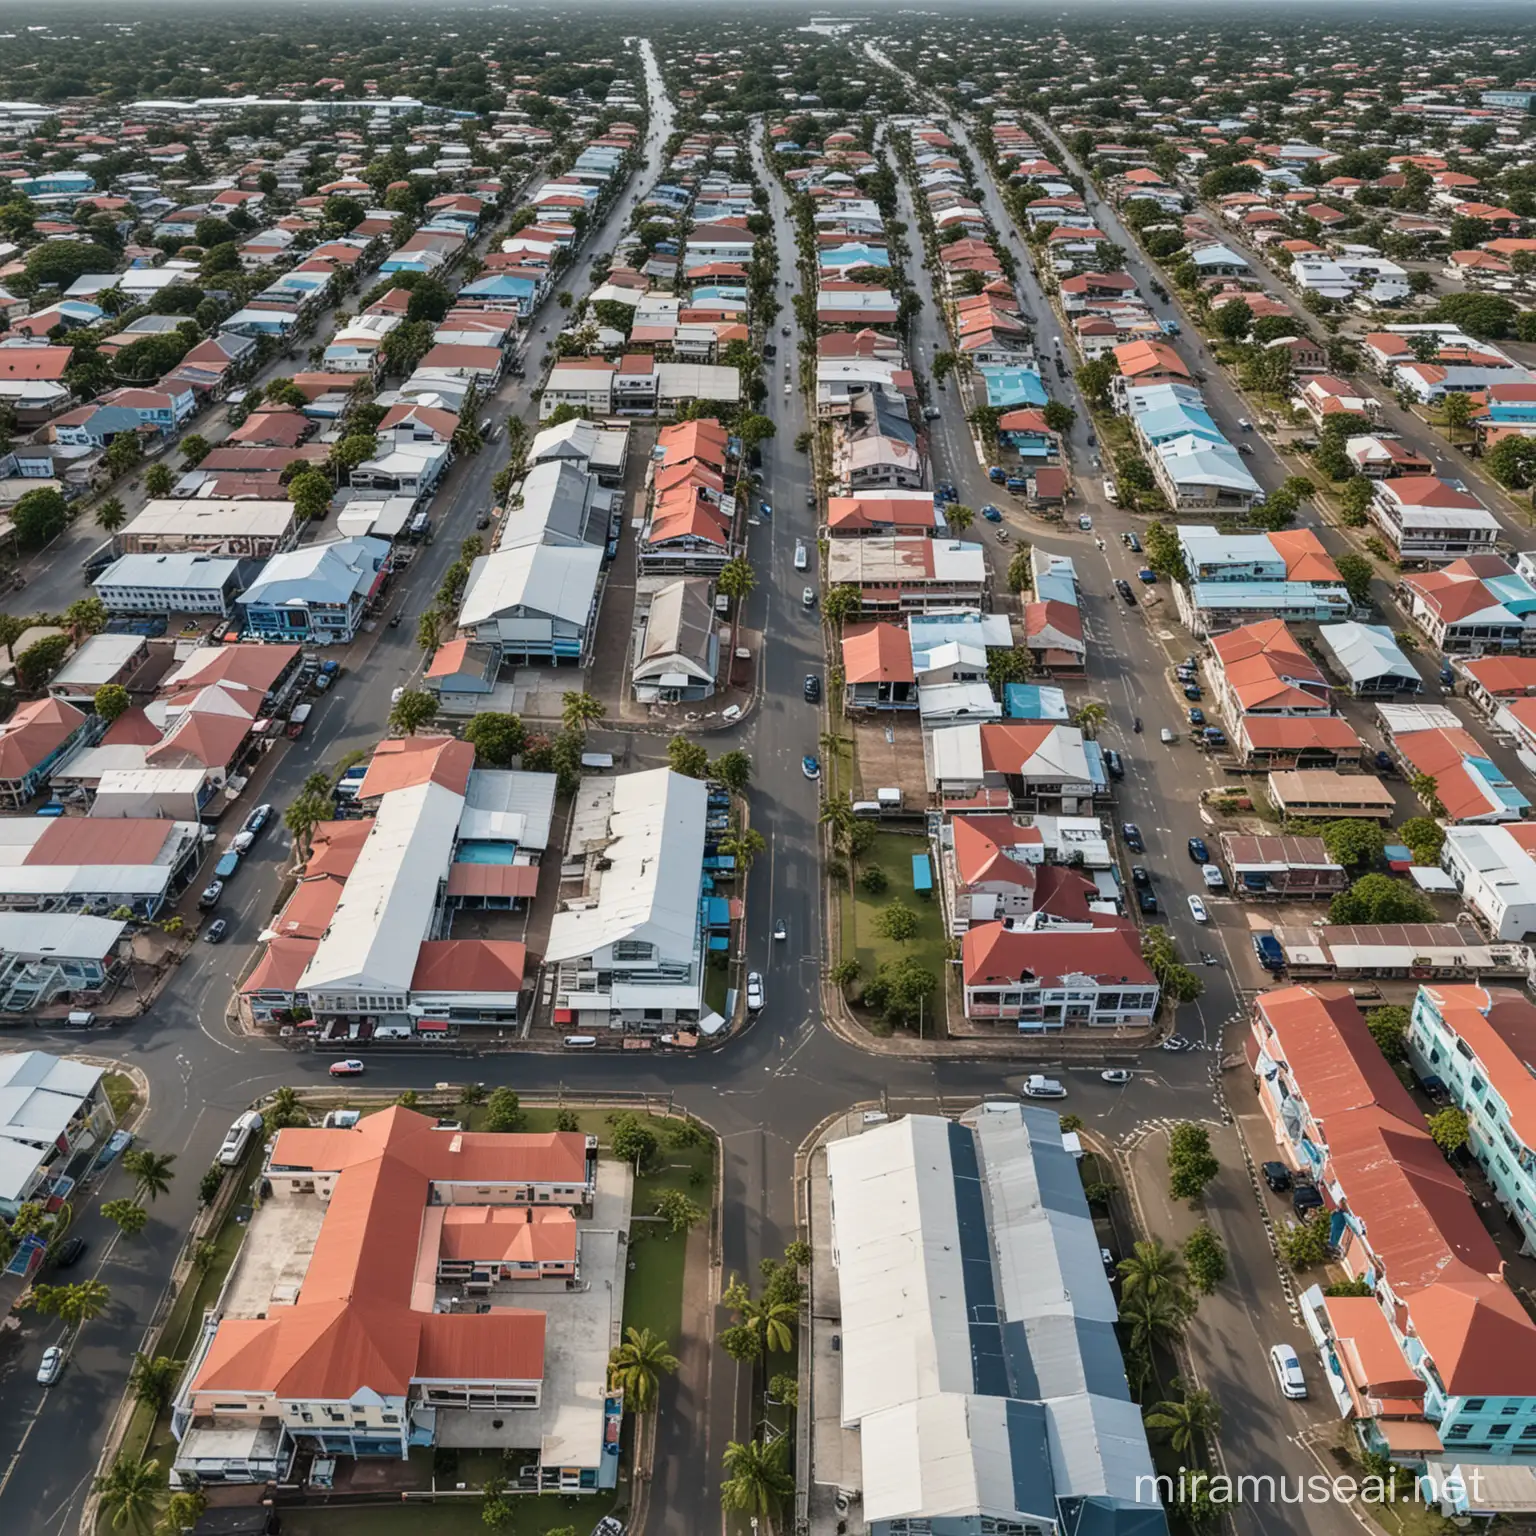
{"points": [[560, 582], [387, 903], [66, 934], [509, 804], [1366, 651], [654, 850]]}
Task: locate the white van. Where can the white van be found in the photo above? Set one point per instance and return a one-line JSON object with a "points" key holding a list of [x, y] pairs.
{"points": [[580, 1042], [79, 1019], [238, 1138], [1111, 495], [801, 558]]}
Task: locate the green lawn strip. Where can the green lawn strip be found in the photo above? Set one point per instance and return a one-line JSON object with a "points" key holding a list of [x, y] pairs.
{"points": [[892, 852], [717, 981], [532, 1515], [121, 1095]]}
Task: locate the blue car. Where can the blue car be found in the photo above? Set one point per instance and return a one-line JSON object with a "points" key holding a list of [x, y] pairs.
{"points": [[991, 513], [1147, 574], [1197, 850], [1197, 717], [810, 767], [764, 510]]}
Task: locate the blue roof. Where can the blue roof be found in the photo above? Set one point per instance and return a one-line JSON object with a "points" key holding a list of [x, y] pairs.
{"points": [[1030, 701], [1515, 592], [1495, 783], [1269, 596], [1013, 386], [1178, 421], [499, 283]]}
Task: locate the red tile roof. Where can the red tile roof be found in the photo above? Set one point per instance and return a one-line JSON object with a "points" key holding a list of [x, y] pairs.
{"points": [[34, 733], [89, 840], [410, 760], [991, 953], [877, 653]]}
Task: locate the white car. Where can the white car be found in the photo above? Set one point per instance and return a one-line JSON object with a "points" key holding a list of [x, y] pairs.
{"points": [[394, 697], [349, 1068], [802, 559], [53, 1364], [754, 992], [1287, 1370], [1197, 910], [241, 842], [1114, 1075]]}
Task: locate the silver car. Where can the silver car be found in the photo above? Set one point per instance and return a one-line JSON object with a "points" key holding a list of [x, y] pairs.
{"points": [[53, 1364], [754, 992]]}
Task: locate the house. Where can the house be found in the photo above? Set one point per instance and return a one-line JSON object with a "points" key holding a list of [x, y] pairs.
{"points": [[677, 644], [53, 1109], [896, 576], [1475, 1042], [1496, 682], [1494, 867], [536, 602], [1235, 578], [1400, 1219], [170, 583], [245, 530], [82, 864], [1382, 458], [1325, 795], [38, 736], [1430, 740], [1370, 657], [100, 659], [1268, 742], [1475, 604], [52, 959], [1323, 396], [1195, 472], [878, 671], [889, 512], [394, 1214], [586, 383], [1260, 669], [600, 451], [1282, 866], [1430, 519], [1397, 952], [1306, 355], [923, 1205], [1028, 766], [627, 946], [1147, 362], [317, 594]]}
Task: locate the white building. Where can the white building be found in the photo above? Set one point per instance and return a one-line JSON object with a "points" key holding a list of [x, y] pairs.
{"points": [[181, 583], [53, 1110], [538, 602], [629, 945], [1495, 872], [1430, 519]]}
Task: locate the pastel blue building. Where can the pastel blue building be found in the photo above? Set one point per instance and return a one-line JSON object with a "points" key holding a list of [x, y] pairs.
{"points": [[315, 594]]}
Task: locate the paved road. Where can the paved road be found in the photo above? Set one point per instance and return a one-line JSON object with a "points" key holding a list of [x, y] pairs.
{"points": [[764, 1092]]}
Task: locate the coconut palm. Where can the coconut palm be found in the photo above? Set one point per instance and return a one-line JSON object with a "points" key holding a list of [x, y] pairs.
{"points": [[743, 846], [637, 1366], [129, 1492], [1090, 717], [1187, 1419], [302, 817], [958, 517], [1155, 1268], [736, 581], [284, 1109], [152, 1171], [110, 515], [774, 1322], [579, 710], [756, 1482], [153, 1379], [1151, 1322]]}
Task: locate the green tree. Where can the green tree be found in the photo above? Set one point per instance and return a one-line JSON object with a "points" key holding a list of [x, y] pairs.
{"points": [[744, 846], [756, 1480], [1234, 319], [1096, 378], [84, 617], [1205, 1259], [1304, 1244], [39, 516], [503, 1111], [736, 581], [1354, 842], [1059, 417], [1356, 572], [73, 1305], [497, 738], [1090, 718], [1389, 1029], [129, 1492], [579, 710], [1379, 898], [1191, 1163], [677, 1210], [1455, 412], [1512, 462], [1020, 576], [110, 515], [182, 1512], [1154, 1269], [687, 757], [310, 493], [1152, 1322], [158, 479], [111, 701], [734, 770], [1424, 837], [1449, 1128], [194, 449], [634, 1141], [959, 518], [1188, 1420], [898, 923], [40, 660], [151, 1171], [1425, 786], [842, 603], [153, 1380], [637, 1364], [129, 1215], [412, 710]]}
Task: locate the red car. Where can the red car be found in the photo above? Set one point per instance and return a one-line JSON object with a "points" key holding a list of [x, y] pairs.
{"points": [[350, 1068]]}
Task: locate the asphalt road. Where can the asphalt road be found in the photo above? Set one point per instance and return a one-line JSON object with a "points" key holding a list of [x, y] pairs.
{"points": [[764, 1092]]}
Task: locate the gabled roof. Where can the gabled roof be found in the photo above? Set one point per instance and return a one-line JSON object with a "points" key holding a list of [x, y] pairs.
{"points": [[877, 653]]}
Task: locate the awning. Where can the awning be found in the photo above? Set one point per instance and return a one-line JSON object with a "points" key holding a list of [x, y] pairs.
{"points": [[711, 1024], [431, 1026], [565, 1015], [1409, 1436]]}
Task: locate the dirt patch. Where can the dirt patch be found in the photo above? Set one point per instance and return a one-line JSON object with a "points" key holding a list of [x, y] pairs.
{"points": [[888, 754]]}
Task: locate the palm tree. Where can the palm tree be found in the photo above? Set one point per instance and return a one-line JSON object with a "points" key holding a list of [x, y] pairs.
{"points": [[1155, 1268], [110, 515], [637, 1365], [756, 1482], [1090, 716], [153, 1379], [958, 517], [744, 847], [284, 1110], [1187, 1419], [841, 604], [301, 818], [129, 1492], [579, 710], [130, 1216], [182, 1513], [1151, 1322], [735, 581], [151, 1171], [774, 1321]]}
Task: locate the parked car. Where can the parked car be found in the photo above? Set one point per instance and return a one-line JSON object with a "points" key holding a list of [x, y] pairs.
{"points": [[1198, 851], [1132, 835], [1114, 763], [258, 819], [352, 1067], [1197, 717], [932, 413], [1304, 1198], [810, 767], [1132, 543], [1146, 900], [211, 894], [1287, 1369], [1277, 1176], [754, 992], [1197, 910], [1139, 876], [991, 513], [780, 930], [1146, 574], [71, 1251], [808, 597], [609, 1525], [241, 842], [1192, 691], [1267, 947], [1123, 587], [53, 1364]]}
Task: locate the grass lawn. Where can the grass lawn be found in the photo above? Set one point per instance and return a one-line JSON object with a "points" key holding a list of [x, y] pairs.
{"points": [[892, 852], [121, 1095], [717, 982]]}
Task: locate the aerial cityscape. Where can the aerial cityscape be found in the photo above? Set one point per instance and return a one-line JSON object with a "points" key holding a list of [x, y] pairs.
{"points": [[767, 771]]}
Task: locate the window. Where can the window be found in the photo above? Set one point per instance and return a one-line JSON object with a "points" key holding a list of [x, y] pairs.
{"points": [[1475, 1404], [1499, 1430], [1458, 1432]]}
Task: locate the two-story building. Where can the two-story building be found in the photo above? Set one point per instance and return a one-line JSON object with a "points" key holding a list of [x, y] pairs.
{"points": [[54, 1114], [33, 741], [316, 594], [1429, 519]]}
